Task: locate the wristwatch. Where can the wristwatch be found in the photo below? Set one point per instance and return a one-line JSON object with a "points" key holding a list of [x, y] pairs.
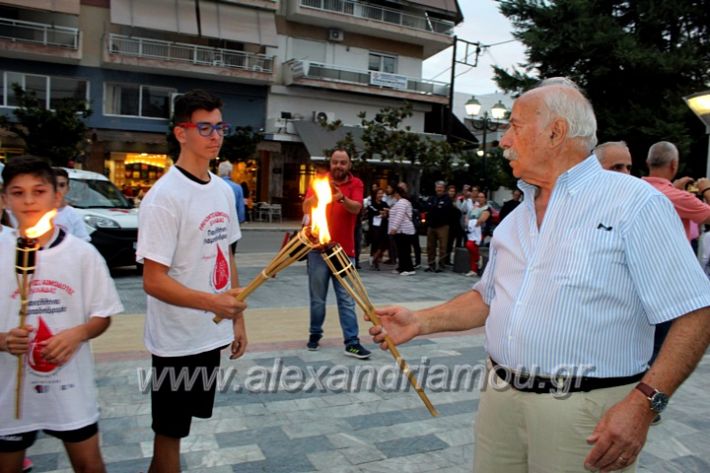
{"points": [[656, 398]]}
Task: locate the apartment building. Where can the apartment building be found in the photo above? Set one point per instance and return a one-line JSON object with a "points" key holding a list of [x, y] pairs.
{"points": [[337, 58], [130, 59], [280, 67]]}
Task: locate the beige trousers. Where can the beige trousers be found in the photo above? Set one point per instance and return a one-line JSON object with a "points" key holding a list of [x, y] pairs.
{"points": [[519, 432]]}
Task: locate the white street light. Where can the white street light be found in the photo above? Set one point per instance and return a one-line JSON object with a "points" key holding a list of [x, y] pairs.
{"points": [[700, 105], [485, 123]]}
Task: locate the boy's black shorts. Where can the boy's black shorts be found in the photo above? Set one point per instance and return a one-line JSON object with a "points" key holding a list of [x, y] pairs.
{"points": [[187, 390], [23, 441]]}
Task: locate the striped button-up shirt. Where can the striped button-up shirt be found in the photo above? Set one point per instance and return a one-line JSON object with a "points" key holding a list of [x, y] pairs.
{"points": [[583, 291]]}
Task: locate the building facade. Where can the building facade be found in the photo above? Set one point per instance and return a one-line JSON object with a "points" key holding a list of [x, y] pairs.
{"points": [[280, 67]]}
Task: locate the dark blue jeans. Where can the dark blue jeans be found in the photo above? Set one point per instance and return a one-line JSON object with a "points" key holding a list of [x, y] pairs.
{"points": [[318, 277]]}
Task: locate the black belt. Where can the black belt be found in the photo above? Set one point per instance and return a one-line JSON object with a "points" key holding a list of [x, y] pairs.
{"points": [[566, 384]]}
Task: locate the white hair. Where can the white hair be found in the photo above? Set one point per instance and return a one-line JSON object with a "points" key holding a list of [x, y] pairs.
{"points": [[661, 154], [568, 103], [224, 169], [601, 149]]}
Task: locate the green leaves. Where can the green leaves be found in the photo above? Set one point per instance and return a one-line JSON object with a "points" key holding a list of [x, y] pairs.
{"points": [[635, 59], [57, 134]]}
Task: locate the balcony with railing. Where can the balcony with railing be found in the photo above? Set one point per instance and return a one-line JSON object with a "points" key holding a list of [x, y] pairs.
{"points": [[330, 76], [153, 54], [30, 39]]}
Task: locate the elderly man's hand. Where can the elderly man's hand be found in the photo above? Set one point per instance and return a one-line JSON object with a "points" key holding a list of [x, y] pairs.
{"points": [[620, 434], [682, 182], [397, 322]]}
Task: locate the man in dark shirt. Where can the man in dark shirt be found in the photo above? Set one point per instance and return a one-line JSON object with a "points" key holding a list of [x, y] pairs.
{"points": [[438, 214], [509, 205]]}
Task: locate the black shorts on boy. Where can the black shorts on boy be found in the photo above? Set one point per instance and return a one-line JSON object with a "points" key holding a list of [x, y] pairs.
{"points": [[187, 390], [24, 440]]}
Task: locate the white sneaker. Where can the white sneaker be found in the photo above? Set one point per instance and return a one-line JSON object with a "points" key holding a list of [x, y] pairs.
{"points": [[407, 273], [471, 273]]}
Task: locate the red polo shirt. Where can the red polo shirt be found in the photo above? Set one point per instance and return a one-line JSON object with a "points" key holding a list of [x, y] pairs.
{"points": [[341, 223], [686, 204]]}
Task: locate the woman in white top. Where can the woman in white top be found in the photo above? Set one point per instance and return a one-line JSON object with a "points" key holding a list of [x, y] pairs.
{"points": [[475, 219], [402, 228]]}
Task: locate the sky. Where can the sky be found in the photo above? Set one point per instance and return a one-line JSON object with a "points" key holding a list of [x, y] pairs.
{"points": [[482, 23]]}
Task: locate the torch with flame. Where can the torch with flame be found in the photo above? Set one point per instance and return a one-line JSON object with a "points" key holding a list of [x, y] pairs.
{"points": [[25, 263], [342, 268], [296, 248]]}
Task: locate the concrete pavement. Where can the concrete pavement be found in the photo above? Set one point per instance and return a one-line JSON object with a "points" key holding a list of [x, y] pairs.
{"points": [[311, 420]]}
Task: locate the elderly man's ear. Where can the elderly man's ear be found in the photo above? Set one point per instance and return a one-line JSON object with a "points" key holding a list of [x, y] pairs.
{"points": [[558, 132]]}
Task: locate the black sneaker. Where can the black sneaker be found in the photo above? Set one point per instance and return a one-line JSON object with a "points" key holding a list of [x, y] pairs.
{"points": [[357, 351], [312, 344]]}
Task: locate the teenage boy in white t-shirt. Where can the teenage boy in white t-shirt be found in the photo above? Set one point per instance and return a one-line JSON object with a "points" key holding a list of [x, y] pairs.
{"points": [[186, 225], [71, 300]]}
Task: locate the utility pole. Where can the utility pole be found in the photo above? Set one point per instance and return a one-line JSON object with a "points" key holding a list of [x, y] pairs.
{"points": [[470, 49]]}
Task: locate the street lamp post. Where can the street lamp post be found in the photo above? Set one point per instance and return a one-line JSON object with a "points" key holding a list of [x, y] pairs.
{"points": [[700, 104], [485, 124]]}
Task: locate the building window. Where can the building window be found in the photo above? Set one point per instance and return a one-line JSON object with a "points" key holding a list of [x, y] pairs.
{"points": [[49, 90], [63, 88], [137, 101], [382, 63]]}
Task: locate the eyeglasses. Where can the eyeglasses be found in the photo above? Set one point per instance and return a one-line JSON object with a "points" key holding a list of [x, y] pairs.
{"points": [[621, 167], [206, 128]]}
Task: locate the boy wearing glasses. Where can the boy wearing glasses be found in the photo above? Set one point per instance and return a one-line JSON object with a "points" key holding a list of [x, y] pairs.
{"points": [[186, 225], [67, 218]]}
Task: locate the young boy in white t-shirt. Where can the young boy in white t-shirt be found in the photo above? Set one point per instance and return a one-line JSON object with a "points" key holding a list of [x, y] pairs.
{"points": [[187, 222], [71, 300], [67, 217]]}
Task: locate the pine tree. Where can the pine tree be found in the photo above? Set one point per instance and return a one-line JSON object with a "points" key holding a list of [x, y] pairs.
{"points": [[635, 59]]}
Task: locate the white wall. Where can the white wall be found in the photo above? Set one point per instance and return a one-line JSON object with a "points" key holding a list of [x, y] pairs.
{"points": [[344, 106]]}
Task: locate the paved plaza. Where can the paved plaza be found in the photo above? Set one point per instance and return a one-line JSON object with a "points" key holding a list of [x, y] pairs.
{"points": [[284, 409]]}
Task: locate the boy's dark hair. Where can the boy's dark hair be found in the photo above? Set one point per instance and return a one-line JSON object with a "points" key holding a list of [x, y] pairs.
{"points": [[29, 164], [196, 99], [61, 172]]}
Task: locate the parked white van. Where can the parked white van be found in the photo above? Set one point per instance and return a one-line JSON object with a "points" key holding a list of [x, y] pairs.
{"points": [[109, 216]]}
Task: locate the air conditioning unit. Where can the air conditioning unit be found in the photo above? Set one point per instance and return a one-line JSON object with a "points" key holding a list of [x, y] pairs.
{"points": [[336, 35], [319, 116]]}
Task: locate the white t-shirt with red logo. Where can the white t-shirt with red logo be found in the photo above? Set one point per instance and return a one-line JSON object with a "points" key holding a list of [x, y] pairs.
{"points": [[71, 284], [188, 227]]}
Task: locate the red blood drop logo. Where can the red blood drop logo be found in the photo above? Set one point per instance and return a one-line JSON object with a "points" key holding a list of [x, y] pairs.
{"points": [[220, 277], [35, 358]]}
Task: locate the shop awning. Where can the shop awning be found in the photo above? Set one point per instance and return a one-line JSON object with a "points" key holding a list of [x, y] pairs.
{"points": [[59, 6], [318, 139], [217, 20]]}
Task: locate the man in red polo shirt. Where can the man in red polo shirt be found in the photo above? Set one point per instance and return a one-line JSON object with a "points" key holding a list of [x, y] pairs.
{"points": [[342, 216], [662, 164]]}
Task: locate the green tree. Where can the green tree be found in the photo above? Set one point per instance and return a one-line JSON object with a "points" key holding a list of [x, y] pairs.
{"points": [[57, 134], [241, 144], [635, 60], [385, 138]]}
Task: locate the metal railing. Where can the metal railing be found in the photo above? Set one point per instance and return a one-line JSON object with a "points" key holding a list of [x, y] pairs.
{"points": [[188, 53], [382, 14], [39, 33], [331, 72]]}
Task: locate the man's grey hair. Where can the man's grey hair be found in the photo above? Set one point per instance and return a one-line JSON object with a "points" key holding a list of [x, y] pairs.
{"points": [[601, 149], [563, 81], [439, 183], [661, 154], [569, 103], [224, 169]]}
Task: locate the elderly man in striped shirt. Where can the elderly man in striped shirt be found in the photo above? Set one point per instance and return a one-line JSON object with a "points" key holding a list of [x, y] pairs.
{"points": [[569, 301]]}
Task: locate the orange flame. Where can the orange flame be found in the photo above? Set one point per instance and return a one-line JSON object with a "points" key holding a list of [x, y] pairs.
{"points": [[319, 222], [43, 226]]}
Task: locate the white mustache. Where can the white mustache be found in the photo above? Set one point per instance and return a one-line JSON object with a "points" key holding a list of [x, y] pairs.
{"points": [[510, 155]]}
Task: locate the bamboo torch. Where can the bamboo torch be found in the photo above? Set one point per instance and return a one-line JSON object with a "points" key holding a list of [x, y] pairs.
{"points": [[25, 262], [304, 242], [343, 269], [294, 250]]}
